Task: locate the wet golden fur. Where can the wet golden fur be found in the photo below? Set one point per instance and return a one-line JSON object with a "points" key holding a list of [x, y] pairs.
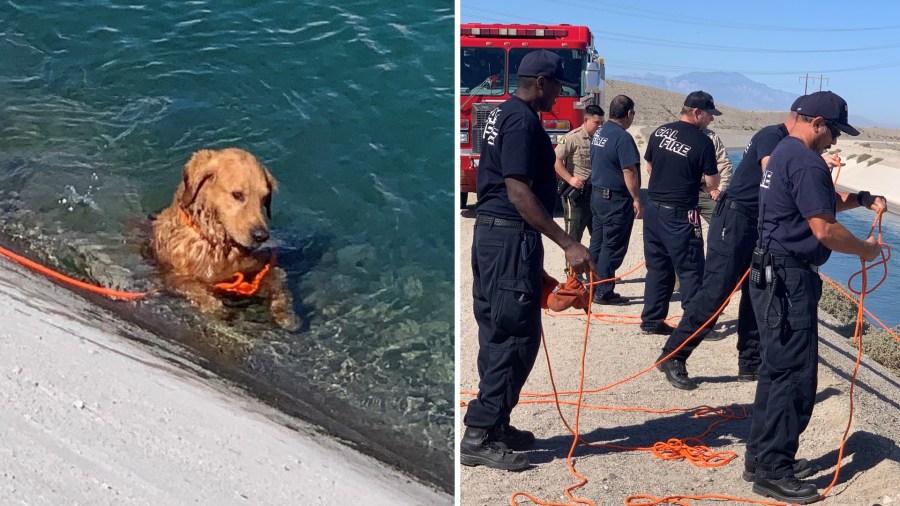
{"points": [[227, 195]]}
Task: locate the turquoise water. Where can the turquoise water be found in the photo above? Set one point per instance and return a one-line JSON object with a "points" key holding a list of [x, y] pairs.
{"points": [[839, 267], [347, 103]]}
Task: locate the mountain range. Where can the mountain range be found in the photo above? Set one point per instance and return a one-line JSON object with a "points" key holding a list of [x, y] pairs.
{"points": [[728, 88]]}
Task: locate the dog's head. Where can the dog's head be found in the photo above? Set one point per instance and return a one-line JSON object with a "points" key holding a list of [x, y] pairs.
{"points": [[234, 188]]}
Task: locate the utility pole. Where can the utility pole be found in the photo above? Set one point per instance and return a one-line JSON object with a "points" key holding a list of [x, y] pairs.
{"points": [[806, 79]]}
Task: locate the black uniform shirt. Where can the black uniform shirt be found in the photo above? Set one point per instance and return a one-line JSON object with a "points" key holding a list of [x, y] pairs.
{"points": [[514, 143], [612, 149], [679, 154], [744, 185], [795, 185]]}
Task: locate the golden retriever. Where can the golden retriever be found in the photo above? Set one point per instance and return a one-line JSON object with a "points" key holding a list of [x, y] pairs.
{"points": [[206, 242]]}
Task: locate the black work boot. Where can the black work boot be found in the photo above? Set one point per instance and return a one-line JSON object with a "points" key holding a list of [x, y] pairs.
{"points": [[610, 299], [513, 438], [477, 448], [676, 373], [802, 469], [661, 328], [788, 489], [716, 334]]}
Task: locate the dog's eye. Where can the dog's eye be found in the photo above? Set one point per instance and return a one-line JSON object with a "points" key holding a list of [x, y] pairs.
{"points": [[239, 196]]}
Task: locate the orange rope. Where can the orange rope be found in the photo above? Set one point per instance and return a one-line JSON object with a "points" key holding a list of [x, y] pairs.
{"points": [[50, 273], [839, 165], [240, 287], [237, 286], [857, 336]]}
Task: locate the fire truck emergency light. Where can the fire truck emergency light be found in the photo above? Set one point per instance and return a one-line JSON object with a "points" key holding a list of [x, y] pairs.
{"points": [[514, 32]]}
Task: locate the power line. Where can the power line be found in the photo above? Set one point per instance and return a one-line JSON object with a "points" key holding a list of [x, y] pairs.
{"points": [[637, 11], [734, 49], [613, 63], [634, 11]]}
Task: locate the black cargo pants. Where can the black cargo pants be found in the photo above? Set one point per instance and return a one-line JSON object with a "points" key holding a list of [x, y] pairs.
{"points": [[507, 268], [732, 236], [786, 390]]}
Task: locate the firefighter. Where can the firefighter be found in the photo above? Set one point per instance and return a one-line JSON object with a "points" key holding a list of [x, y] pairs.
{"points": [[616, 200], [798, 203], [516, 194], [732, 235], [677, 155]]}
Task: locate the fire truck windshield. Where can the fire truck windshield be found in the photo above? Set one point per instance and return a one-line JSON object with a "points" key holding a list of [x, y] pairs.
{"points": [[574, 62], [483, 71]]}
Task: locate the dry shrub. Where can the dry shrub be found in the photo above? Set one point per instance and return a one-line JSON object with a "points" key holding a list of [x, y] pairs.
{"points": [[883, 348], [840, 308], [878, 345]]}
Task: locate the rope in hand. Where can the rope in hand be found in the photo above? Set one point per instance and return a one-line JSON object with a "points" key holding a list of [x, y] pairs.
{"points": [[611, 317], [858, 332]]}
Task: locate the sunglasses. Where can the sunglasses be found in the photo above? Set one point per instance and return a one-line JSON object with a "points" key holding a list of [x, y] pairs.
{"points": [[833, 129]]}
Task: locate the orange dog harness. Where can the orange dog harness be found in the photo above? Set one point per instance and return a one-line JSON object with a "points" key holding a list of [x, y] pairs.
{"points": [[238, 285]]}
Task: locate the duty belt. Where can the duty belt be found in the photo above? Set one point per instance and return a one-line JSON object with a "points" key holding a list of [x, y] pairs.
{"points": [[612, 191], [794, 262], [490, 221], [746, 211], [666, 205]]}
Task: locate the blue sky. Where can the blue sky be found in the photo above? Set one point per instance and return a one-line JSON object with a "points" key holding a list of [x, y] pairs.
{"points": [[855, 46]]}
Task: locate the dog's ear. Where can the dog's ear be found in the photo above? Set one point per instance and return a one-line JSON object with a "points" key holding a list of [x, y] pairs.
{"points": [[196, 173], [273, 186]]}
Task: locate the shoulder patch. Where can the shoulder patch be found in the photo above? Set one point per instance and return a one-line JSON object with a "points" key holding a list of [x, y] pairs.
{"points": [[561, 140]]}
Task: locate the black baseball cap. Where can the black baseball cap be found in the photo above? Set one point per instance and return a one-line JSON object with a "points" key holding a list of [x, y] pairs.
{"points": [[830, 106], [796, 105], [702, 100], [543, 63]]}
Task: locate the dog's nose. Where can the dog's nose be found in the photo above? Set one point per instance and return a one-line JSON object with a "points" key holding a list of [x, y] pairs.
{"points": [[259, 234]]}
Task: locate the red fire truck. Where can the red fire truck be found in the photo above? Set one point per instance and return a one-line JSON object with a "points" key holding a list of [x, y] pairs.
{"points": [[490, 57]]}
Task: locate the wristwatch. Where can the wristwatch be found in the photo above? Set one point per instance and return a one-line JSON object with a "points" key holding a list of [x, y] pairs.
{"points": [[861, 196]]}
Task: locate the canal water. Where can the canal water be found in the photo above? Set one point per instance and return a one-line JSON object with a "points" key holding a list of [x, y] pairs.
{"points": [[839, 267]]}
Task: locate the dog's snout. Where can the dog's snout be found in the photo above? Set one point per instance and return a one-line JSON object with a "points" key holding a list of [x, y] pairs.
{"points": [[259, 234]]}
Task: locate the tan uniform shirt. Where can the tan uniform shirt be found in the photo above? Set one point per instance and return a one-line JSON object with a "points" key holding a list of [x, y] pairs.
{"points": [[575, 149], [722, 160]]}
